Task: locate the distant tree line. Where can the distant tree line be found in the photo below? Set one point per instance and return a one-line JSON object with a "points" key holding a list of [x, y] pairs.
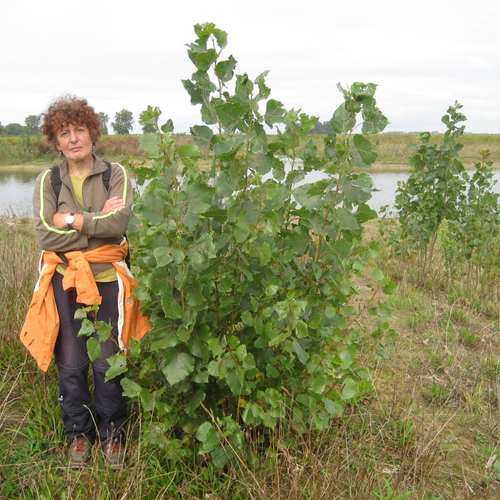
{"points": [[322, 128], [122, 125], [30, 127]]}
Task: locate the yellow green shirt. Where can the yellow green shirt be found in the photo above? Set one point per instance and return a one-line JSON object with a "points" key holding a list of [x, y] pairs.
{"points": [[105, 276]]}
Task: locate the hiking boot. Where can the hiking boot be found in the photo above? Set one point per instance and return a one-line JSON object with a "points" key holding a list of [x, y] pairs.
{"points": [[114, 453], [79, 452]]}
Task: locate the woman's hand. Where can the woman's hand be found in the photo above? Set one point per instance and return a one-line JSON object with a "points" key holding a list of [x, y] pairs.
{"points": [[113, 204], [59, 220]]}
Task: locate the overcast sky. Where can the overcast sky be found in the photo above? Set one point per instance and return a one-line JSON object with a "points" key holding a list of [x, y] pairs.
{"points": [[118, 54]]}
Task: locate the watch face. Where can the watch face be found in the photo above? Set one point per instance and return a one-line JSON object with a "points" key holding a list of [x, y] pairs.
{"points": [[70, 219]]}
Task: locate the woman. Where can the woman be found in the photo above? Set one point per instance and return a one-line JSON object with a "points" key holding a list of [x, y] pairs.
{"points": [[80, 228]]}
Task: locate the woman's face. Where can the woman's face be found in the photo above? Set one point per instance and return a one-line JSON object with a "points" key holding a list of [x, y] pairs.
{"points": [[75, 142]]}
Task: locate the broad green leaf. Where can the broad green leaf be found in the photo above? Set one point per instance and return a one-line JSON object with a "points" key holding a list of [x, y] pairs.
{"points": [[275, 112], [218, 214], [208, 113], [264, 90], [163, 256], [172, 308], [177, 254], [343, 120], [196, 400], [272, 290], [177, 365], [163, 333], [189, 154], [204, 60], [247, 318], [241, 231], [197, 96], [374, 121], [194, 297], [360, 89], [150, 143], [299, 351], [117, 366], [202, 136], [365, 213], [230, 116], [377, 274], [151, 208], [206, 432], [346, 219], [390, 288], [262, 163], [308, 122], [225, 69], [332, 407], [88, 327], [235, 380], [147, 400], [350, 389], [135, 347], [301, 194], [200, 196], [365, 150], [103, 331], [131, 389], [93, 348], [302, 329]]}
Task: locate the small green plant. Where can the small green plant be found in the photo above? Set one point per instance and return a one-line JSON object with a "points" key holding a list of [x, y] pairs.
{"points": [[442, 205], [471, 239], [438, 393], [468, 338], [390, 493], [432, 194]]}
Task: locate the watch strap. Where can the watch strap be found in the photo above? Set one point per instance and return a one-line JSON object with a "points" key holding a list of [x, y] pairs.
{"points": [[70, 225]]}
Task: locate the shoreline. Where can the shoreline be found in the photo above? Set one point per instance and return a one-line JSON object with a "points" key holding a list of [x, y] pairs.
{"points": [[376, 167]]}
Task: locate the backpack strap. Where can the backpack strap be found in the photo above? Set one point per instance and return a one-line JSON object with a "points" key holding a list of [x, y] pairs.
{"points": [[106, 176], [56, 180], [57, 183], [56, 186]]}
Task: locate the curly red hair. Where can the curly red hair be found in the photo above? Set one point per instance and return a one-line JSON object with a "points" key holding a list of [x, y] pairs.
{"points": [[70, 110]]}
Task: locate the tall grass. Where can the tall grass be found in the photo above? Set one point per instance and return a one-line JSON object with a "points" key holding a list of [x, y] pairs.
{"points": [[429, 430]]}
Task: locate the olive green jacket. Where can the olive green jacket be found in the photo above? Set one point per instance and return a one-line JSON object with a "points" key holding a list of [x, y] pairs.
{"points": [[99, 228]]}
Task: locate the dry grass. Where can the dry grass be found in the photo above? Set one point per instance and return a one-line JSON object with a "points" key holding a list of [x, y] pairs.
{"points": [[430, 429]]}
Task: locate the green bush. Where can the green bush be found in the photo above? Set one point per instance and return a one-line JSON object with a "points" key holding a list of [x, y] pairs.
{"points": [[248, 275]]}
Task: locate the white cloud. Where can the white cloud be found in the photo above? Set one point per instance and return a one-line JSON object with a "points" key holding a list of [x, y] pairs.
{"points": [[122, 54]]}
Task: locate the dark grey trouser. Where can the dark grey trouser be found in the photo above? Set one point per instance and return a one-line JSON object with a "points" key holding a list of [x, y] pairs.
{"points": [[73, 364]]}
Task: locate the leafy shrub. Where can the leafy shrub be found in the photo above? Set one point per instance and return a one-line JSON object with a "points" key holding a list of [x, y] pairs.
{"points": [[442, 202], [246, 269], [432, 193]]}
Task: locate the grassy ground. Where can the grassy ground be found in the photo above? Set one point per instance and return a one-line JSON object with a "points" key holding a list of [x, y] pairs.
{"points": [[394, 150], [430, 429]]}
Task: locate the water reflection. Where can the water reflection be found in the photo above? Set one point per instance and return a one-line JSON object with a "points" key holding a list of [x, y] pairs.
{"points": [[16, 189]]}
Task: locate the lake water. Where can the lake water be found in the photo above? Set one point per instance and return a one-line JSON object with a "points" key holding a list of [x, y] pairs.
{"points": [[16, 190]]}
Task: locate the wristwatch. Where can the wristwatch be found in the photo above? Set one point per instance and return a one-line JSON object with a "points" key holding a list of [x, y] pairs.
{"points": [[70, 219]]}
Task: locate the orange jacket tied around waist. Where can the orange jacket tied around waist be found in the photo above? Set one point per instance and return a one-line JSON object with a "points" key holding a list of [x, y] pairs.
{"points": [[41, 326]]}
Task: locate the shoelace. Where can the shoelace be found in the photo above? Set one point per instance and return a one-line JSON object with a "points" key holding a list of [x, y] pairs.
{"points": [[114, 448], [81, 445]]}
